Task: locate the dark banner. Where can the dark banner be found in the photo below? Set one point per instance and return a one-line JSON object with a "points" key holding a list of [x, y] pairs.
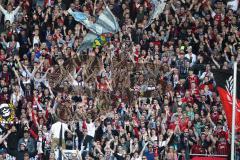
{"points": [[224, 81]]}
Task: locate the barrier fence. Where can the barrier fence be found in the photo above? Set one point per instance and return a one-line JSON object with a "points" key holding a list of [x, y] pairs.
{"points": [[208, 157]]}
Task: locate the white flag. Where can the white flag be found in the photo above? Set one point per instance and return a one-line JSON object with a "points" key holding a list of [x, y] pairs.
{"points": [[157, 10]]}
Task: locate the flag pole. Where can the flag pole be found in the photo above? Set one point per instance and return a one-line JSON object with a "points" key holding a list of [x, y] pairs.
{"points": [[234, 110]]}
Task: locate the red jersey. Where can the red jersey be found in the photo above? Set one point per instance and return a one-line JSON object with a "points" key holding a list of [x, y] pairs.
{"points": [[192, 79], [195, 92], [210, 86], [215, 117], [6, 76], [223, 148], [183, 123], [218, 18], [187, 100], [197, 149], [2, 57]]}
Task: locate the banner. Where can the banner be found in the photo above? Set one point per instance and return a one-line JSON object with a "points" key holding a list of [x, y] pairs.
{"points": [[224, 82], [66, 154], [7, 113], [233, 4], [106, 22], [87, 41], [157, 10]]}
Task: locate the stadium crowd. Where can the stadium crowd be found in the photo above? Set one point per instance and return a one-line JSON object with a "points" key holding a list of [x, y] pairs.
{"points": [[137, 94]]}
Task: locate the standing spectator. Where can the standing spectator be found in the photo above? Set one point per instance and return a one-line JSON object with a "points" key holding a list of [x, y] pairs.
{"points": [[27, 143], [10, 13]]}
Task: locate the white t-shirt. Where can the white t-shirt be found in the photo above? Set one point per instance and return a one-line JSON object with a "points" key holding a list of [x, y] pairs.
{"points": [[91, 129], [9, 16], [193, 56], [55, 129], [36, 40], [162, 143], [16, 97], [16, 45]]}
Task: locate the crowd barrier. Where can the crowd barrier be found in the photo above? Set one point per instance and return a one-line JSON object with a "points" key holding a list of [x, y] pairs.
{"points": [[208, 157]]}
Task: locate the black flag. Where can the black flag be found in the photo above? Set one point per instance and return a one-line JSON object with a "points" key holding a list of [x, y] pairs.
{"points": [[224, 81]]}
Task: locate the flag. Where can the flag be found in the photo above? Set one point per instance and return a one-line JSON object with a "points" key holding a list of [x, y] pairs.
{"points": [[99, 41], [157, 10], [233, 5], [106, 22], [87, 41], [7, 113], [79, 16], [82, 18], [224, 82]]}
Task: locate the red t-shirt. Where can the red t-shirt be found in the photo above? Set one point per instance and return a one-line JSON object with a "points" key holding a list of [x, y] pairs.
{"points": [[187, 100], [223, 148], [191, 79], [197, 149], [218, 18], [214, 117], [5, 76]]}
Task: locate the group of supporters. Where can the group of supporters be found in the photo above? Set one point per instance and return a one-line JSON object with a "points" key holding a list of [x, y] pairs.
{"points": [[142, 93]]}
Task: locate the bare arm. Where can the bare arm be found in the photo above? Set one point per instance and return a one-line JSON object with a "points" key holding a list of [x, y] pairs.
{"points": [[80, 70], [36, 69], [215, 62], [16, 74], [4, 137], [94, 7]]}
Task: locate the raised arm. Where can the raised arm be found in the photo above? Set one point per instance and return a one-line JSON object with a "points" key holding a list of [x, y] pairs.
{"points": [[17, 9], [78, 72], [97, 148], [142, 151], [37, 68], [5, 136], [16, 74], [215, 62], [4, 11]]}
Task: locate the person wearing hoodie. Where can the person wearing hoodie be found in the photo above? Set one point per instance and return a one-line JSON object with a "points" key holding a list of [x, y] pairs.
{"points": [[29, 142], [12, 146], [21, 152]]}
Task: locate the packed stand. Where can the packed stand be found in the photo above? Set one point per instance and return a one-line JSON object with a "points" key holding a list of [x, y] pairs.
{"points": [[138, 94]]}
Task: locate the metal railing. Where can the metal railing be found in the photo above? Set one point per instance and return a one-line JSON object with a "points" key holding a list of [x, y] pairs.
{"points": [[209, 155]]}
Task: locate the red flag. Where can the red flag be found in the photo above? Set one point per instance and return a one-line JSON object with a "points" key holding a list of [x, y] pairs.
{"points": [[224, 81]]}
